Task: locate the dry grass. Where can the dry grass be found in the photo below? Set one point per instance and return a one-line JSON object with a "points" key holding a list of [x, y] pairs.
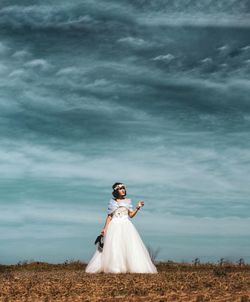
{"points": [[175, 282]]}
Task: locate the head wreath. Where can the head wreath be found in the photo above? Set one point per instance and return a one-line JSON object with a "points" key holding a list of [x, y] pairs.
{"points": [[119, 186]]}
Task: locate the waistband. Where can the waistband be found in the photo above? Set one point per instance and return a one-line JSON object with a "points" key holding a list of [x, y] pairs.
{"points": [[121, 217]]}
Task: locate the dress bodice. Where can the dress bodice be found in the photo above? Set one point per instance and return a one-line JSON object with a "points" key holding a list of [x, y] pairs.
{"points": [[120, 212], [123, 206]]}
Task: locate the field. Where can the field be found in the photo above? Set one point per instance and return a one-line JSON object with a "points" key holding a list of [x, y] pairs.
{"points": [[38, 281]]}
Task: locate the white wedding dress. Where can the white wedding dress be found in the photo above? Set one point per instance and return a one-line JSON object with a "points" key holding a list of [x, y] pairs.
{"points": [[124, 250]]}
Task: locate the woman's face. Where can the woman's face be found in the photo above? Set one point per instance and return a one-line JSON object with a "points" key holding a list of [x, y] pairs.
{"points": [[121, 192]]}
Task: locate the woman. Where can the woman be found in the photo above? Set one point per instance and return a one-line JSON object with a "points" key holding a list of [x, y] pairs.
{"points": [[124, 250]]}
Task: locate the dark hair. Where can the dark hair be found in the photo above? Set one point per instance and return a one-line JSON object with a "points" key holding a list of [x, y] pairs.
{"points": [[115, 192]]}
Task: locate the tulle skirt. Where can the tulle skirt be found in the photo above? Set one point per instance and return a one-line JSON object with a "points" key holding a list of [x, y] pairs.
{"points": [[123, 251]]}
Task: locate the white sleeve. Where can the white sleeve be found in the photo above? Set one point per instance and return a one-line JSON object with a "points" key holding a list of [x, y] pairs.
{"points": [[130, 205], [111, 207]]}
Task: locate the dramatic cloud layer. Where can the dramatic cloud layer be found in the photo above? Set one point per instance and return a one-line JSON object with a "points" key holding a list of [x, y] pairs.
{"points": [[151, 93]]}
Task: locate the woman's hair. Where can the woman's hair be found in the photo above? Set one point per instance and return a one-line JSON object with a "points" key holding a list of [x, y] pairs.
{"points": [[115, 192]]}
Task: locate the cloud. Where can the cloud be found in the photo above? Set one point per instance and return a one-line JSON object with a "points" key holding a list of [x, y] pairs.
{"points": [[182, 6], [83, 16], [69, 71], [3, 48], [89, 16], [168, 57], [195, 226], [192, 169], [38, 63], [134, 42], [48, 221], [19, 73], [195, 20], [21, 54], [3, 68]]}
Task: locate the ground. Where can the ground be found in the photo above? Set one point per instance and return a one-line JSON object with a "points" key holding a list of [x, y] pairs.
{"points": [[174, 282]]}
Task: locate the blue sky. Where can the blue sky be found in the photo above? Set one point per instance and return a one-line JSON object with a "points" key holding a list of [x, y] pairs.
{"points": [[151, 93]]}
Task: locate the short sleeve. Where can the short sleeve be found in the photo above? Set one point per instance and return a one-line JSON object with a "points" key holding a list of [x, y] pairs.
{"points": [[110, 208], [130, 205]]}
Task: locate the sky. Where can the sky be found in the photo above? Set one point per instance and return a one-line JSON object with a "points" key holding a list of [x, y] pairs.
{"points": [[154, 94]]}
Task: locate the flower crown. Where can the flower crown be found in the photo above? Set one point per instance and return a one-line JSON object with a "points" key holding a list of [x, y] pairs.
{"points": [[119, 186]]}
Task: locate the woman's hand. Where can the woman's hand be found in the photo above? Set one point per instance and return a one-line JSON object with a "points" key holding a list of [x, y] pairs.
{"points": [[103, 231], [140, 203]]}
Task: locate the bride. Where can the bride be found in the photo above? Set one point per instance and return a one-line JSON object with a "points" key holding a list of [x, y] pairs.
{"points": [[123, 250]]}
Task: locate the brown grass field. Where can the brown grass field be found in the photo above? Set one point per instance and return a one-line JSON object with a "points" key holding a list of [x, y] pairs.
{"points": [[38, 281]]}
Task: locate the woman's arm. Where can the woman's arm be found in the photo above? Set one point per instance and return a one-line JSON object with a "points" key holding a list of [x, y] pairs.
{"points": [[133, 213], [108, 219]]}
